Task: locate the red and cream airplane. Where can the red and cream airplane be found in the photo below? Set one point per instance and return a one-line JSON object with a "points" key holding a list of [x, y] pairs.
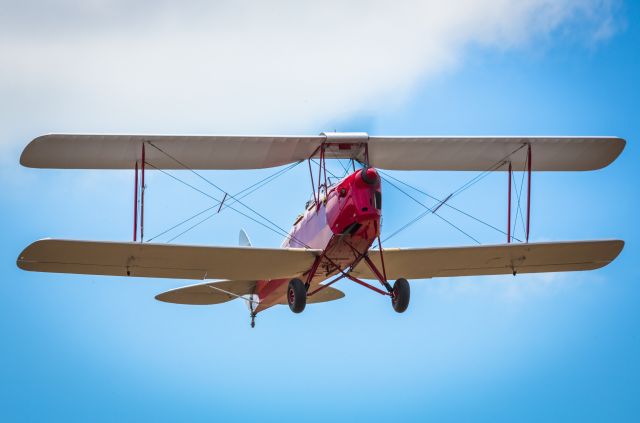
{"points": [[333, 237]]}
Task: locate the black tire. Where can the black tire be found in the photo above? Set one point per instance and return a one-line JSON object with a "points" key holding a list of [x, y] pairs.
{"points": [[296, 295], [401, 295]]}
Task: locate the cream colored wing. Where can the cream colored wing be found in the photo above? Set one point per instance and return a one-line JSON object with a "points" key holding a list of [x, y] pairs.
{"points": [[484, 153], [502, 259], [164, 260], [86, 151]]}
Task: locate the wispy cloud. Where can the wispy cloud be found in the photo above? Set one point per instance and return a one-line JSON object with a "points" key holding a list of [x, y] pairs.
{"points": [[247, 66]]}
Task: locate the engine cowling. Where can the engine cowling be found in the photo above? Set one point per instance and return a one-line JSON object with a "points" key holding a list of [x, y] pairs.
{"points": [[356, 200]]}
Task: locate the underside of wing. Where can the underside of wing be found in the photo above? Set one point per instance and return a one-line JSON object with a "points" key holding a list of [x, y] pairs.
{"points": [[164, 260], [493, 153], [208, 293], [86, 151], [80, 151], [502, 259]]}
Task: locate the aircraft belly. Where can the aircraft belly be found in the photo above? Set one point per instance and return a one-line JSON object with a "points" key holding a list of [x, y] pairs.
{"points": [[339, 251]]}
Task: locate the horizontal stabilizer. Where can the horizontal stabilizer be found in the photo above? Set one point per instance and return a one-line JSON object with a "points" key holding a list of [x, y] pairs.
{"points": [[164, 260], [325, 295], [77, 151], [221, 292], [420, 263], [208, 293]]}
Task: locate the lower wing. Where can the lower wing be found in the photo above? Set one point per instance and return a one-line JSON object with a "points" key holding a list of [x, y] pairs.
{"points": [[165, 260], [419, 263]]}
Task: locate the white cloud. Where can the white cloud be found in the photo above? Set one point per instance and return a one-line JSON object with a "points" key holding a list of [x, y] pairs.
{"points": [[246, 66]]}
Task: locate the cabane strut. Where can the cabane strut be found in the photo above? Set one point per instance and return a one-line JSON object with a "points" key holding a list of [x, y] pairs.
{"points": [[138, 198]]}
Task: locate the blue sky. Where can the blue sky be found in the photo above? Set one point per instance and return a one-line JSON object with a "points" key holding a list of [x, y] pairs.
{"points": [[532, 348]]}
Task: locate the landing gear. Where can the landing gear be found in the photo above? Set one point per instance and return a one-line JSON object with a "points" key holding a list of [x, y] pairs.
{"points": [[296, 295], [401, 294], [251, 302]]}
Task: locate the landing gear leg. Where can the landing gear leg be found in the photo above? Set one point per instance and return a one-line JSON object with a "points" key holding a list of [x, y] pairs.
{"points": [[253, 313]]}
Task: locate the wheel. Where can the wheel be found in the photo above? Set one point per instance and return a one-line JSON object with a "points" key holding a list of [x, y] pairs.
{"points": [[401, 295], [296, 295]]}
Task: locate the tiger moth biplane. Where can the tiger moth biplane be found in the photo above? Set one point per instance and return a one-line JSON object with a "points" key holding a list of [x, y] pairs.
{"points": [[333, 239]]}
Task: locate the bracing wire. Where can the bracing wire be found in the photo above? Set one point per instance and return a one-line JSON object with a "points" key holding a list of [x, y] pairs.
{"points": [[212, 215], [243, 193], [456, 192], [215, 199], [519, 197], [429, 210], [446, 204], [283, 232]]}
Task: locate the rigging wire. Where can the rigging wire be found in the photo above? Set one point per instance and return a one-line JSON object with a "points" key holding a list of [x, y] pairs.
{"points": [[519, 197], [429, 210], [446, 204], [212, 215], [328, 171], [232, 294], [232, 208], [346, 170], [181, 223], [461, 189], [484, 173], [243, 193], [286, 234]]}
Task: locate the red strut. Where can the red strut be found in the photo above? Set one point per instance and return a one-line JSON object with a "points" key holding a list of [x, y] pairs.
{"points": [[509, 208], [135, 206], [528, 190], [142, 199]]}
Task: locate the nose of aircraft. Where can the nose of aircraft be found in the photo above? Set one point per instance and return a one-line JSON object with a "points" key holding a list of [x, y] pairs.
{"points": [[370, 176]]}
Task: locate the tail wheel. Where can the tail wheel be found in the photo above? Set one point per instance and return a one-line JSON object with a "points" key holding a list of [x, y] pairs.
{"points": [[401, 295], [296, 295]]}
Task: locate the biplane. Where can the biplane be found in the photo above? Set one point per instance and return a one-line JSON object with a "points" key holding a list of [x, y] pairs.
{"points": [[333, 239]]}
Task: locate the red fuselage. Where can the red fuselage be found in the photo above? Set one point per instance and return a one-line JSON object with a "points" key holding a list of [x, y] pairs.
{"points": [[343, 224]]}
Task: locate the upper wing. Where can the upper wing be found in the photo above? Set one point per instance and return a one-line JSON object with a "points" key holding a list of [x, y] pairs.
{"points": [[484, 153], [165, 260], [502, 259], [76, 151], [67, 151]]}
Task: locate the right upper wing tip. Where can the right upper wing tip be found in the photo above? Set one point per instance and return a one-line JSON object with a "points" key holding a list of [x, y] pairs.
{"points": [[619, 245], [620, 146]]}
